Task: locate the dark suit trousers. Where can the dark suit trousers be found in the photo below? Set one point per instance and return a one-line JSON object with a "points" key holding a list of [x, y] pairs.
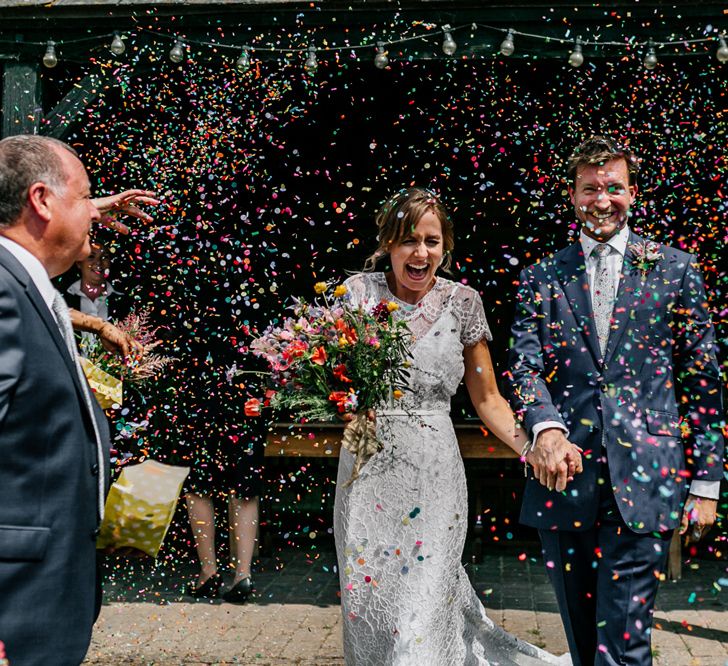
{"points": [[606, 579]]}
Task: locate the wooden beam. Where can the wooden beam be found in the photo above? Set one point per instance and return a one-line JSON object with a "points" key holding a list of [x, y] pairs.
{"points": [[323, 440], [62, 117], [21, 99]]}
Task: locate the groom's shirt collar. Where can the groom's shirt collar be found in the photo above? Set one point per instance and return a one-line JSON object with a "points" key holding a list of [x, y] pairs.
{"points": [[618, 242]]}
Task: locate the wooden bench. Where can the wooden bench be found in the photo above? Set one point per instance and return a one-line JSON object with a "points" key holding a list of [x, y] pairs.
{"points": [[323, 440]]}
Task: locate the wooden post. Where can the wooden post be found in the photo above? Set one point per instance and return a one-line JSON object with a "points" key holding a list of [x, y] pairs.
{"points": [[21, 99]]}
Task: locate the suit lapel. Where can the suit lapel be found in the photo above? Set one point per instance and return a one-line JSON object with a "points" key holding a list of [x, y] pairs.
{"points": [[571, 272], [21, 275], [629, 295]]}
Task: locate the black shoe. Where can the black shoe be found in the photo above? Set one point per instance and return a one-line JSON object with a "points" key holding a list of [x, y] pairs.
{"points": [[239, 592], [208, 590]]}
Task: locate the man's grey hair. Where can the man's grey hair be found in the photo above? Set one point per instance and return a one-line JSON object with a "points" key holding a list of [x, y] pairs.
{"points": [[26, 159]]}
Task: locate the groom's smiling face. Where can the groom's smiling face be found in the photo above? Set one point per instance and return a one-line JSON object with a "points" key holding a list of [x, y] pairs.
{"points": [[602, 196]]}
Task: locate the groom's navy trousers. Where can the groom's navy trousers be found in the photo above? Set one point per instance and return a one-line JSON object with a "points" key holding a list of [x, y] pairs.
{"points": [[611, 573]]}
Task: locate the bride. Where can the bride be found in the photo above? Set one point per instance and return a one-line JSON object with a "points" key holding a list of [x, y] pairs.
{"points": [[400, 526]]}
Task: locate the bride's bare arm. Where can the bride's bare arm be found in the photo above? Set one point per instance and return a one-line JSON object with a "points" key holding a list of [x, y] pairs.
{"points": [[495, 412], [492, 408]]}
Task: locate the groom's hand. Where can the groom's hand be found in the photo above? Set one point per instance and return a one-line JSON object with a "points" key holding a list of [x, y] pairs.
{"points": [[554, 459], [699, 516]]}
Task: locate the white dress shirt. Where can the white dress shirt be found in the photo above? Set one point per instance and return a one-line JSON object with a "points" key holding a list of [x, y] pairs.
{"points": [[97, 308], [615, 259]]}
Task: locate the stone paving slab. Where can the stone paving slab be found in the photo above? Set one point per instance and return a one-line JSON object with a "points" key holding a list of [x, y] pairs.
{"points": [[294, 617]]}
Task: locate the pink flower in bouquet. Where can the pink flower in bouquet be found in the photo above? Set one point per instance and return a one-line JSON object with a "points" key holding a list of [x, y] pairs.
{"points": [[296, 349], [279, 363]]}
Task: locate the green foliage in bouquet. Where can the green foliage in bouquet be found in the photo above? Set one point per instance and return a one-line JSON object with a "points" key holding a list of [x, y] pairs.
{"points": [[135, 369]]}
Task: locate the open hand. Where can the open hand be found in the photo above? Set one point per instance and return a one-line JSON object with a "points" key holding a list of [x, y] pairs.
{"points": [[125, 203], [555, 460]]}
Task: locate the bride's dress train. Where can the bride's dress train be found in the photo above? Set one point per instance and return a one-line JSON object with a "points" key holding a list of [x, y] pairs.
{"points": [[400, 527]]}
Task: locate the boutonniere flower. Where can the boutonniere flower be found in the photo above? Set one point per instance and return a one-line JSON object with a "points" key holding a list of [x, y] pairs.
{"points": [[645, 256]]}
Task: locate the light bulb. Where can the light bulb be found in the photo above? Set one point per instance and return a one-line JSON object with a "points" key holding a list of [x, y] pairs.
{"points": [[576, 57], [243, 62], [650, 61], [722, 52], [50, 59], [507, 47], [311, 64], [448, 43], [177, 52], [381, 59], [117, 46]]}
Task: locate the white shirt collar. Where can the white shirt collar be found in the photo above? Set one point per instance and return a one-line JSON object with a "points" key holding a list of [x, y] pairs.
{"points": [[75, 289], [34, 268], [618, 242]]}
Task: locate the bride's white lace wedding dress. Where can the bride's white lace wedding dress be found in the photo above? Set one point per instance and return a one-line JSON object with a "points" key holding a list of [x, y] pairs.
{"points": [[400, 527]]}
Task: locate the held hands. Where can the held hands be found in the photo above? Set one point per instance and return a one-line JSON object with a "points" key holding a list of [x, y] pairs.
{"points": [[125, 203], [699, 513], [555, 460]]}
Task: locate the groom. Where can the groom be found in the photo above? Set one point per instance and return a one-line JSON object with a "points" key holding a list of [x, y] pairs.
{"points": [[614, 360]]}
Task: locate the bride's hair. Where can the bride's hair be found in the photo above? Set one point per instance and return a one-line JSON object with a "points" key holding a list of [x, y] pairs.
{"points": [[398, 216]]}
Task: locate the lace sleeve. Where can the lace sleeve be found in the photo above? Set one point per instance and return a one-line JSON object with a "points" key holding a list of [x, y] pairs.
{"points": [[474, 326], [357, 290]]}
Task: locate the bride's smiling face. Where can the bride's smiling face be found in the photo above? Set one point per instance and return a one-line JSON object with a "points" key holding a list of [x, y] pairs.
{"points": [[416, 258]]}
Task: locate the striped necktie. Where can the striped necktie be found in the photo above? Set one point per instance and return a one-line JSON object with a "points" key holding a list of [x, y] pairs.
{"points": [[603, 295]]}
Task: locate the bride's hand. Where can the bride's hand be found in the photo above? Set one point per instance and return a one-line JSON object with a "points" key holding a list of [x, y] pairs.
{"points": [[349, 417], [555, 460]]}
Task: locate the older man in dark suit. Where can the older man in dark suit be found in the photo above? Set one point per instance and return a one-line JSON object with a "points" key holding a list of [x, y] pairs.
{"points": [[612, 346], [53, 437]]}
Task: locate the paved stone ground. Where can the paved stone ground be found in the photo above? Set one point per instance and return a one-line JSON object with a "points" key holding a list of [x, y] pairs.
{"points": [[294, 617]]}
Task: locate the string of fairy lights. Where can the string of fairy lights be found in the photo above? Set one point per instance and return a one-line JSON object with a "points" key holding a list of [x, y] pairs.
{"points": [[243, 55]]}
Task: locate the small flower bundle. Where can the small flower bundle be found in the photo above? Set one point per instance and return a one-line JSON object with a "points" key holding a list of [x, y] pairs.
{"points": [[645, 256], [135, 369], [335, 361]]}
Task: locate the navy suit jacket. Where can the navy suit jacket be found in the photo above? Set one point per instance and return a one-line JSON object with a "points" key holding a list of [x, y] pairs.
{"points": [[48, 484], [660, 364]]}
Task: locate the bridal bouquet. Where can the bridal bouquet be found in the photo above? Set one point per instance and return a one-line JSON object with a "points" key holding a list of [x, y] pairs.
{"points": [[334, 361], [107, 371]]}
